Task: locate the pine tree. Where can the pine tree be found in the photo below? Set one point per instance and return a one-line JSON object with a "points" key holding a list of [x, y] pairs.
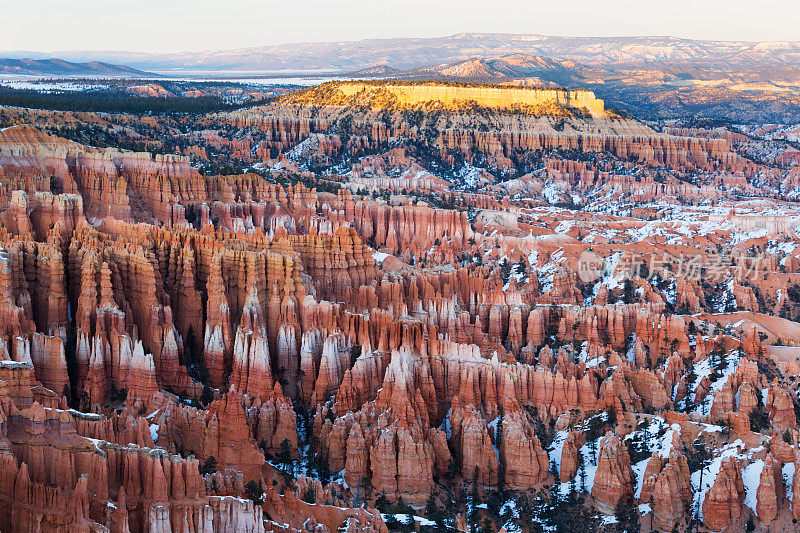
{"points": [[611, 414], [382, 502], [572, 497], [474, 498], [209, 466], [501, 467], [285, 457], [254, 491], [628, 295]]}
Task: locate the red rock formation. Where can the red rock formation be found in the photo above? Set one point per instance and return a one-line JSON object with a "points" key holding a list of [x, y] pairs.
{"points": [[473, 444], [526, 463], [613, 477], [222, 431], [722, 503], [187, 317], [770, 491], [570, 460], [780, 407], [668, 486]]}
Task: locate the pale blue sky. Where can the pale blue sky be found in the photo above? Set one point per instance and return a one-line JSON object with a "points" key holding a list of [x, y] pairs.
{"points": [[175, 25]]}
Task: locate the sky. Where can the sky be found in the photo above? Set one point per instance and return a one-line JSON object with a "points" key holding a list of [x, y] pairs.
{"points": [[195, 25]]}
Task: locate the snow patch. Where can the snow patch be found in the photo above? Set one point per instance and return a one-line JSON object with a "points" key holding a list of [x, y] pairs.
{"points": [[751, 476]]}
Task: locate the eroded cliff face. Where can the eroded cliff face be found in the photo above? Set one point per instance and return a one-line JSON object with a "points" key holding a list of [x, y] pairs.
{"points": [[392, 94], [503, 129], [156, 324]]}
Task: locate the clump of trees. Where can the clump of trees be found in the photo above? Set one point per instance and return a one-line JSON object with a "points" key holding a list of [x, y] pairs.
{"points": [[106, 101]]}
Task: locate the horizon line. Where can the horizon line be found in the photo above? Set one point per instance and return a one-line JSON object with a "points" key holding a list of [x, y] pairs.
{"points": [[542, 36]]}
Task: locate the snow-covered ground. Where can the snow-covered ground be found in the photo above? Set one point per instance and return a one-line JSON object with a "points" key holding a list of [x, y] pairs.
{"points": [[736, 449]]}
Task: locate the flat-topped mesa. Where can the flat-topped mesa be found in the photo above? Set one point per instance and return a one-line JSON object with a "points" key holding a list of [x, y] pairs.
{"points": [[527, 100]]}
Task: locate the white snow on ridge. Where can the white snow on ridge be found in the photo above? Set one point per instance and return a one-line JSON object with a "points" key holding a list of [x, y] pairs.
{"points": [[556, 448], [638, 471], [788, 479], [751, 476]]}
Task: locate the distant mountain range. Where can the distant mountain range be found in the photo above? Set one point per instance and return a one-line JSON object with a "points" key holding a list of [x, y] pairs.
{"points": [[59, 67], [406, 53], [534, 70], [650, 77]]}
